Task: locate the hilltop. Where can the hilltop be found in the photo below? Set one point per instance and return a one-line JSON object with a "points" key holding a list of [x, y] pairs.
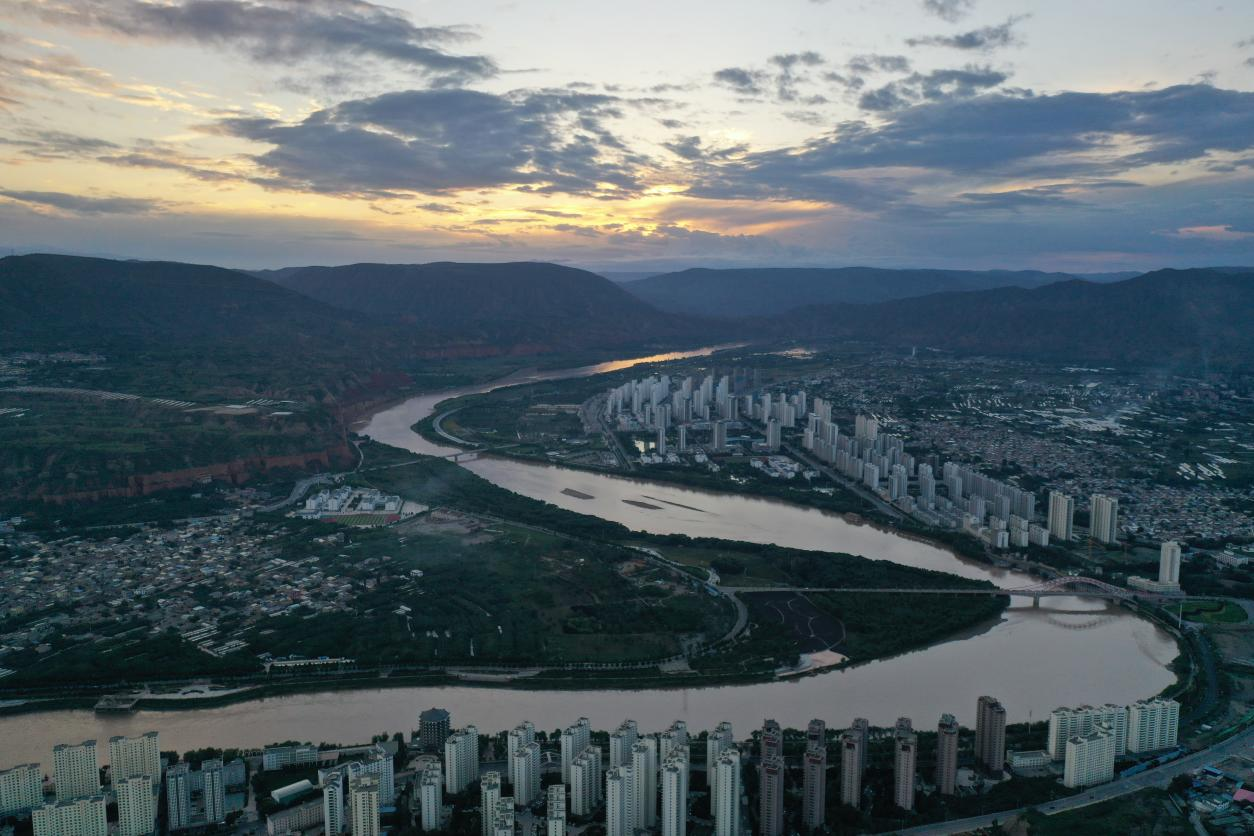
{"points": [[766, 291]]}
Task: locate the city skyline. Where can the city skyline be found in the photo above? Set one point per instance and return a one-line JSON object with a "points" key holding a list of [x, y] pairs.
{"points": [[910, 133]]}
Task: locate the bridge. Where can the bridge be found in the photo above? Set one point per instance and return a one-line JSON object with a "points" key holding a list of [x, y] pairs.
{"points": [[1067, 586]]}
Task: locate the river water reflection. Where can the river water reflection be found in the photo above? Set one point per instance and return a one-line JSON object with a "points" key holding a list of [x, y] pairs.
{"points": [[1069, 651]]}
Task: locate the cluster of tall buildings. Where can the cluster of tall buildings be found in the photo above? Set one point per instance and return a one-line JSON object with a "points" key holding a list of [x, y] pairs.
{"points": [[660, 403], [1089, 739], [643, 780], [136, 770]]}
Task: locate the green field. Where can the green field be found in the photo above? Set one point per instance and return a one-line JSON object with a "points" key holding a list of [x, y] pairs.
{"points": [[1213, 612]]}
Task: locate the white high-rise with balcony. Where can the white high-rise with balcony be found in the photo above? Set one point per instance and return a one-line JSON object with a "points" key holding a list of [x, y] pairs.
{"points": [[131, 757], [1090, 757], [431, 797], [675, 793], [363, 803], [21, 789], [1066, 723], [80, 817], [585, 782], [75, 770], [489, 795], [137, 806], [1169, 563], [727, 779], [1061, 516], [574, 740], [1153, 725]]}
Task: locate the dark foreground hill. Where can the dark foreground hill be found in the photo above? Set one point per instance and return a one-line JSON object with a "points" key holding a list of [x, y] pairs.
{"points": [[1170, 318], [51, 300], [542, 306], [767, 291]]}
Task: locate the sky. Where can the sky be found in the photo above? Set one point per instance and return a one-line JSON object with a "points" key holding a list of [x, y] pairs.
{"points": [[643, 136]]}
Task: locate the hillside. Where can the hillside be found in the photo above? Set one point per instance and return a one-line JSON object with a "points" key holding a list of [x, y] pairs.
{"points": [[1169, 318], [767, 291], [49, 301], [537, 306]]}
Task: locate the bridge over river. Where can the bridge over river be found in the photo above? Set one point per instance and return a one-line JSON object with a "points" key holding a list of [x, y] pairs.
{"points": [[1069, 586]]}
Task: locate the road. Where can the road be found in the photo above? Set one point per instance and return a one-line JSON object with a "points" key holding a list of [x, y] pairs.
{"points": [[298, 490], [886, 507], [1161, 777]]}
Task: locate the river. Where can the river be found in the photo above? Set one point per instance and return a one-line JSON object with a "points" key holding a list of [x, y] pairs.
{"points": [[1070, 651]]}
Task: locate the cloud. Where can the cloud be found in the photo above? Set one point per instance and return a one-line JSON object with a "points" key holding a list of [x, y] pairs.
{"points": [[56, 145], [272, 31], [83, 205], [434, 141], [992, 136], [934, 86], [857, 69], [984, 39], [743, 81], [950, 10], [781, 81], [1217, 232]]}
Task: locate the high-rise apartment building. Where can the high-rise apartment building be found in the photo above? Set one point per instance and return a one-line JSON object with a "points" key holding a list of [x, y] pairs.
{"points": [[75, 770], [363, 804], [1061, 516], [905, 758], [851, 769], [718, 740], [574, 740], [213, 784], [21, 789], [620, 811], [431, 798], [433, 729], [1104, 519], [814, 777], [862, 728], [132, 757], [80, 817], [1066, 723], [178, 796], [990, 734], [461, 760], [555, 811], [1089, 757], [518, 738], [621, 741], [946, 754], [675, 792], [503, 817], [1153, 725], [489, 795], [1169, 563], [644, 772], [526, 763], [585, 782], [333, 806], [771, 796], [137, 806], [727, 778]]}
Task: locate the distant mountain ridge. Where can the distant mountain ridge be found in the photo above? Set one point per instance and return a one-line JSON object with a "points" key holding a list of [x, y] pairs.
{"points": [[547, 306], [52, 299], [1168, 318], [764, 291]]}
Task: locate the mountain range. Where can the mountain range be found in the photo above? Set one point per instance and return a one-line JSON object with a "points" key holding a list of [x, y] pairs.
{"points": [[767, 291], [1196, 318], [546, 307]]}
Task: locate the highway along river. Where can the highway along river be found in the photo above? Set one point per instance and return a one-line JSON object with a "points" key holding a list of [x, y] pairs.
{"points": [[1070, 651]]}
